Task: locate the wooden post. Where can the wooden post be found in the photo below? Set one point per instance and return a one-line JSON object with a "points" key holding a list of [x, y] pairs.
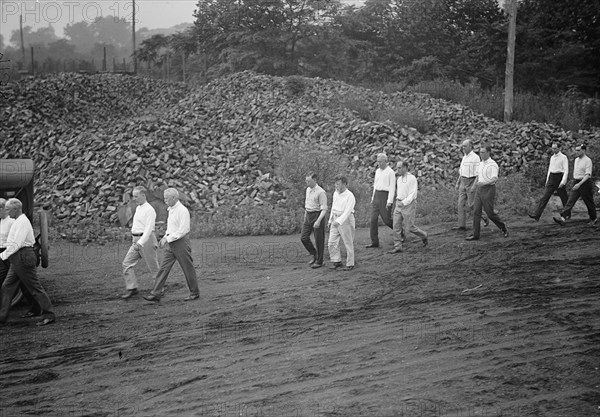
{"points": [[32, 69], [510, 61], [183, 64], [133, 36], [22, 42], [104, 60]]}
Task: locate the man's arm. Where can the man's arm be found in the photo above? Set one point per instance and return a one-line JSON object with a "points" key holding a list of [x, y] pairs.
{"points": [[182, 220]]}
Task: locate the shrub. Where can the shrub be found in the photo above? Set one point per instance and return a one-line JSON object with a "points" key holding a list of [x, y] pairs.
{"points": [[295, 85]]}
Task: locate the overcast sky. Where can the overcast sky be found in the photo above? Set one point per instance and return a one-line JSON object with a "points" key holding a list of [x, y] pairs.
{"points": [[149, 13]]}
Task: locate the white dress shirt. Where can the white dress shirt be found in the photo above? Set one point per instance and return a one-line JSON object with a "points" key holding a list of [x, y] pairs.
{"points": [[4, 229], [559, 163], [342, 206], [385, 180], [143, 222], [582, 167], [487, 174], [407, 189], [469, 164], [178, 222], [19, 236]]}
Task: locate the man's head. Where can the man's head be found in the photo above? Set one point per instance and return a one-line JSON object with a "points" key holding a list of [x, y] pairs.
{"points": [[341, 183], [467, 146], [171, 196], [402, 167], [311, 180], [14, 207], [139, 194], [485, 152], [3, 213], [382, 160], [555, 148], [580, 149]]}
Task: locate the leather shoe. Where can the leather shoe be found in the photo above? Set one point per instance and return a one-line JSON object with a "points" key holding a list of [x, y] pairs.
{"points": [[505, 231], [30, 314], [316, 265], [151, 297], [472, 238], [336, 265], [372, 245], [459, 228], [395, 250], [348, 268], [560, 220], [46, 321], [593, 223], [314, 259], [129, 293], [191, 297], [486, 222], [425, 241], [531, 216]]}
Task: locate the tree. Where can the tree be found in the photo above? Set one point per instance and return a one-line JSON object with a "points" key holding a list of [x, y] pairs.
{"points": [[558, 45], [42, 36]]}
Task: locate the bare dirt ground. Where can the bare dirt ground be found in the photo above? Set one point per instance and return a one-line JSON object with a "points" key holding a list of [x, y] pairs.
{"points": [[398, 336]]}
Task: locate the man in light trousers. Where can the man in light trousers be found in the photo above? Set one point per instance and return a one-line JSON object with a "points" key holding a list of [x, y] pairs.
{"points": [[467, 176], [342, 225], [144, 243], [406, 208]]}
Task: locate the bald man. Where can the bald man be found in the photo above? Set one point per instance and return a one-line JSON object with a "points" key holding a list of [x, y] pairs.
{"points": [[382, 199], [467, 175]]}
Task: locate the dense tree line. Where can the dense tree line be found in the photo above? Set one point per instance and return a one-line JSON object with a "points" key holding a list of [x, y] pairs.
{"points": [[558, 41]]}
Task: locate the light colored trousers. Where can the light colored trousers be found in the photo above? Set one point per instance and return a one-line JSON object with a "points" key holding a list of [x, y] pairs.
{"points": [[404, 222], [148, 253], [346, 231], [466, 197]]}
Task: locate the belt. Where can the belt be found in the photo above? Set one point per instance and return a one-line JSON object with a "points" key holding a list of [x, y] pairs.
{"points": [[314, 211], [136, 234], [469, 178], [382, 191], [557, 173]]}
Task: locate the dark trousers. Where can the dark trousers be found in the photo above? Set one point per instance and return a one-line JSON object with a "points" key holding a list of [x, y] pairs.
{"points": [[307, 229], [552, 186], [23, 270], [180, 251], [379, 208], [586, 192], [485, 197]]}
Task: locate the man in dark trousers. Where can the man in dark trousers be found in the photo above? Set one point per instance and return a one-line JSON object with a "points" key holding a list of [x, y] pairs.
{"points": [[582, 187], [556, 179], [177, 248], [485, 193], [315, 205], [383, 196], [19, 252]]}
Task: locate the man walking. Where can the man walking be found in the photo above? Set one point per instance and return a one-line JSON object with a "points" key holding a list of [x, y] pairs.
{"points": [[315, 205], [177, 248], [484, 189], [5, 224], [383, 196], [144, 243], [582, 187], [467, 174], [342, 224], [556, 179], [406, 208], [19, 252]]}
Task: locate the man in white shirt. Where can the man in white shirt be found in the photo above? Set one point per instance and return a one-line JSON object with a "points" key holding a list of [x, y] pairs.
{"points": [[382, 198], [484, 188], [406, 208], [177, 248], [556, 179], [467, 174], [19, 251], [342, 224], [144, 243], [315, 208], [5, 223], [582, 187]]}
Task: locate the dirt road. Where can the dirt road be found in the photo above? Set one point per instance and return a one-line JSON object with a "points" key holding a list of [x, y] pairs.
{"points": [[499, 327]]}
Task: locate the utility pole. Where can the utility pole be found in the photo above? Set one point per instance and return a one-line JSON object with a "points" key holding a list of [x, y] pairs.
{"points": [[510, 61], [22, 43], [133, 36]]}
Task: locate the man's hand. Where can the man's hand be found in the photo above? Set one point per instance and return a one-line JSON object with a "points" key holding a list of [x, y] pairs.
{"points": [[162, 242], [399, 203], [561, 185], [317, 224], [137, 246], [576, 187], [335, 223], [389, 206]]}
